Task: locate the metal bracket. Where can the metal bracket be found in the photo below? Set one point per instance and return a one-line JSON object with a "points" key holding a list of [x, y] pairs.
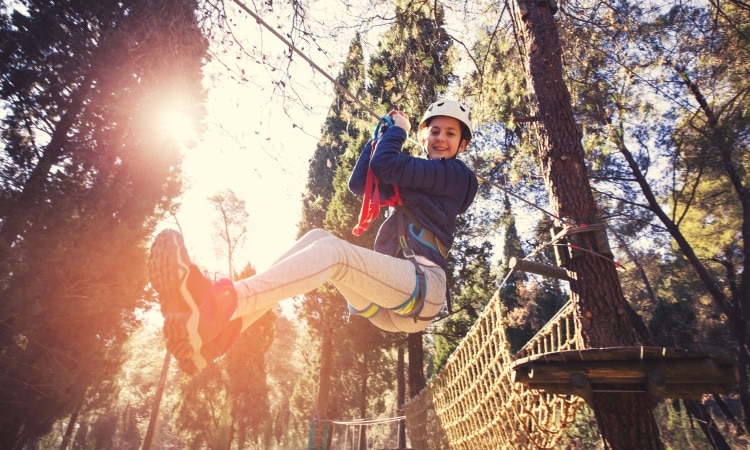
{"points": [[570, 244], [582, 387]]}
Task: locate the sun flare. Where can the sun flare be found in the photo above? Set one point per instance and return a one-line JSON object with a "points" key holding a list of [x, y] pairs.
{"points": [[176, 119]]}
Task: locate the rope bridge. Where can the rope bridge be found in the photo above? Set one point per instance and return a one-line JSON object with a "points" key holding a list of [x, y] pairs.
{"points": [[487, 398], [475, 403]]}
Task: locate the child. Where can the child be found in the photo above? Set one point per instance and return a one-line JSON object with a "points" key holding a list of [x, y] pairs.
{"points": [[400, 286]]}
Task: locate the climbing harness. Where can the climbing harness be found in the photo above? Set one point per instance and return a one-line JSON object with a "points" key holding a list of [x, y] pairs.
{"points": [[418, 298], [371, 204], [417, 231]]}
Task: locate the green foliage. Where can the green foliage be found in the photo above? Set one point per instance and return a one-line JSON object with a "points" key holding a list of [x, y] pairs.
{"points": [[247, 388], [413, 65], [497, 81], [343, 212], [286, 362], [662, 101], [84, 178], [340, 129], [672, 324], [583, 433]]}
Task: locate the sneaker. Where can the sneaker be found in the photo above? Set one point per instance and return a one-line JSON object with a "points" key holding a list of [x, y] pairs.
{"points": [[196, 311], [214, 349]]}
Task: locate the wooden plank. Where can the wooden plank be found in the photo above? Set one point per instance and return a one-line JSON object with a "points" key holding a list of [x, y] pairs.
{"points": [[538, 268], [552, 370], [675, 391], [617, 353], [656, 371]]}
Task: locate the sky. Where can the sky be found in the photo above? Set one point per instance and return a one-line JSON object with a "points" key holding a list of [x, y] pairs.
{"points": [[261, 135], [258, 142], [259, 156]]}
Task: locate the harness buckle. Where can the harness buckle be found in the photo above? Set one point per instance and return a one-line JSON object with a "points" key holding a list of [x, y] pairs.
{"points": [[408, 252]]}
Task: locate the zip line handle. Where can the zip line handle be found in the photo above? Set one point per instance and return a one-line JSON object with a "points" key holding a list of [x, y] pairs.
{"points": [[383, 124]]}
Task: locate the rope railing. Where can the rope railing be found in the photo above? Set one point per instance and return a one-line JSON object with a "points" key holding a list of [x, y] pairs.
{"points": [[558, 334], [355, 434], [473, 403]]}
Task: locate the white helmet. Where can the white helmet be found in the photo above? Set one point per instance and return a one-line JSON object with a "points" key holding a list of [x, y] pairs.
{"points": [[449, 108]]}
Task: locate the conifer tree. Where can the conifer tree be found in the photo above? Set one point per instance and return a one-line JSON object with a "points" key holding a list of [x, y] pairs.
{"points": [[602, 312], [701, 92], [633, 69], [325, 309], [84, 178], [342, 128]]}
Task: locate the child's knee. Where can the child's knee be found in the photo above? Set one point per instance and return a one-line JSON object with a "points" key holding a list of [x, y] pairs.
{"points": [[318, 233]]}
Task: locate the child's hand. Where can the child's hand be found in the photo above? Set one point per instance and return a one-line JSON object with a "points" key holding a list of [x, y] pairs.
{"points": [[400, 120]]}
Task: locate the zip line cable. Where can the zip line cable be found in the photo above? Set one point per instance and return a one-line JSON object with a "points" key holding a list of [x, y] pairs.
{"points": [[518, 197], [306, 58], [359, 102]]}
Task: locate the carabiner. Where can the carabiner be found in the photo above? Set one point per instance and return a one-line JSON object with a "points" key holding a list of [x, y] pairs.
{"points": [[384, 123]]}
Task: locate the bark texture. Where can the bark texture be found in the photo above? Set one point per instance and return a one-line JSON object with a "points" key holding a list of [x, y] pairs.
{"points": [[625, 419]]}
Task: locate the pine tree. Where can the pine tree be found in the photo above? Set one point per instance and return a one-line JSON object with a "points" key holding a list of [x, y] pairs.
{"points": [[596, 293], [679, 103], [85, 178]]}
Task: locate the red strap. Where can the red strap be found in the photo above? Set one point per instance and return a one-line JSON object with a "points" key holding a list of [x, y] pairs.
{"points": [[371, 203]]}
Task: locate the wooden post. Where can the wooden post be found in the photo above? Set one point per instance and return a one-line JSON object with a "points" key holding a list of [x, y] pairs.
{"points": [[538, 268]]}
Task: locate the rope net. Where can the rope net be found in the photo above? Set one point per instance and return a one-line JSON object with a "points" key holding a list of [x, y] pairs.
{"points": [[365, 434], [473, 403]]}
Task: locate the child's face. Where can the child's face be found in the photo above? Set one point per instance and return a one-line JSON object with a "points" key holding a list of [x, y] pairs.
{"points": [[442, 138]]}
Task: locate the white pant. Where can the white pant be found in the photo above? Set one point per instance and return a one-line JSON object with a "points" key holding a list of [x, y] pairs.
{"points": [[362, 276]]}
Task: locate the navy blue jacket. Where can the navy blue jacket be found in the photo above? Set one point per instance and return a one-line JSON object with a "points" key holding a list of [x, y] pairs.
{"points": [[436, 191]]}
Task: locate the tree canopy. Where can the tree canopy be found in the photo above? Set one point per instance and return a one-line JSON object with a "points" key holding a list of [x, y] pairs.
{"points": [[85, 174], [659, 91]]}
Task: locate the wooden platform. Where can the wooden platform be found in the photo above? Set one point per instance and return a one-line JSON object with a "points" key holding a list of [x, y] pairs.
{"points": [[658, 371]]}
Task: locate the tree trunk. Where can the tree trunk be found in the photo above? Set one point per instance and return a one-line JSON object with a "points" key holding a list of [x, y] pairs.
{"points": [[417, 380], [363, 403], [401, 396], [707, 424], [625, 419], [67, 438], [157, 402], [324, 387]]}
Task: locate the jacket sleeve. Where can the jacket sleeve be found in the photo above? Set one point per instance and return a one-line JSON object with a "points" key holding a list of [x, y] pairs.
{"points": [[359, 173], [436, 177], [358, 178]]}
